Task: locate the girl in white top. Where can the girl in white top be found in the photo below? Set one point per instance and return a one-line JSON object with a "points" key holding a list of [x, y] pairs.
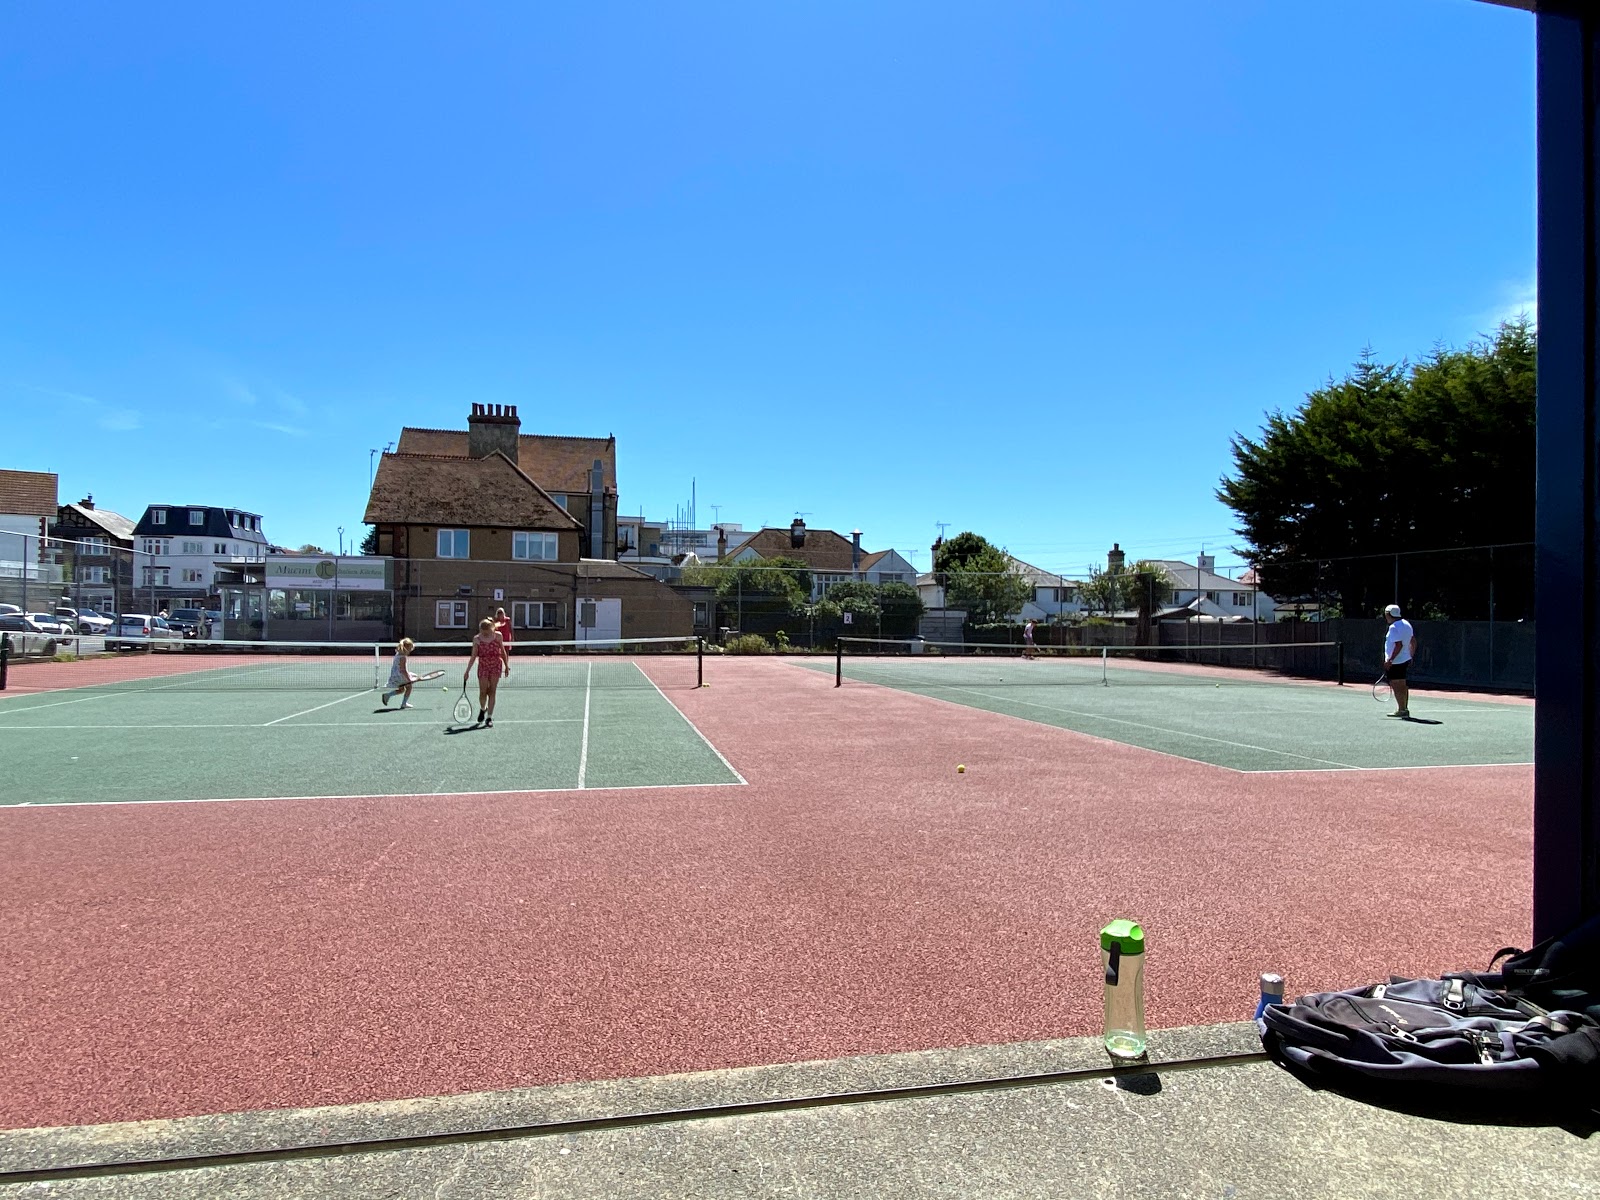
{"points": [[400, 679]]}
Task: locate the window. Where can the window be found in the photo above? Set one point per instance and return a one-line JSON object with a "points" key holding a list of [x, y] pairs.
{"points": [[158, 545], [1242, 600], [891, 577], [824, 582], [561, 500], [450, 614], [96, 545], [93, 575], [535, 614], [158, 516], [194, 547], [219, 547], [1211, 596], [190, 575], [197, 516], [535, 545], [702, 614], [453, 543], [157, 576]]}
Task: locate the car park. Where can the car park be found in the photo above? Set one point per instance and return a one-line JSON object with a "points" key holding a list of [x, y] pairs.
{"points": [[83, 620], [25, 637], [141, 631]]}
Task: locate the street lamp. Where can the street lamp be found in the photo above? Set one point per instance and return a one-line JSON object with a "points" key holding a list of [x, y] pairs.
{"points": [[341, 541]]}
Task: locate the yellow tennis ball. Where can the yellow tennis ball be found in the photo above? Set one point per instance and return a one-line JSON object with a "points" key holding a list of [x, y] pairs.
{"points": [[961, 768]]}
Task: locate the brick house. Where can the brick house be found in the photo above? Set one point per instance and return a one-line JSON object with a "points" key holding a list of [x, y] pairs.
{"points": [[472, 528], [30, 576], [832, 557], [96, 546]]}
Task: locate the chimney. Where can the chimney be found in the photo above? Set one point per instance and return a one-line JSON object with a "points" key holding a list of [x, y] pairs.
{"points": [[855, 551], [722, 543], [597, 510], [797, 533], [1115, 558], [87, 501], [493, 427], [1206, 562]]}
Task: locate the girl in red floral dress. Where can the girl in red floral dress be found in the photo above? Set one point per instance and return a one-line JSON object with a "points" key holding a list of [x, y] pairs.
{"points": [[489, 652]]}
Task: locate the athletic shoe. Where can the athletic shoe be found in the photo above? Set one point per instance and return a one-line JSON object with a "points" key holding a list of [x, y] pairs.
{"points": [[488, 722], [1403, 715], [407, 704], [386, 696], [480, 717]]}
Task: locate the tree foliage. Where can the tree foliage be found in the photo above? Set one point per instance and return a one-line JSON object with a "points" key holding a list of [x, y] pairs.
{"points": [[1392, 459], [979, 576], [369, 544], [1142, 587]]}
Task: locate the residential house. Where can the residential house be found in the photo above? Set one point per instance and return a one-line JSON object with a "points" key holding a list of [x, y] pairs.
{"points": [[832, 558], [1199, 593], [578, 474], [1054, 595], [30, 576], [478, 530], [659, 548], [96, 548], [187, 552]]}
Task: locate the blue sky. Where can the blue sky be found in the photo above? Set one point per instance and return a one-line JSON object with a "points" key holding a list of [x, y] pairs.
{"points": [[1020, 268]]}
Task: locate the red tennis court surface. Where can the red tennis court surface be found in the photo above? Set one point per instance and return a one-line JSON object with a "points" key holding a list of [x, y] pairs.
{"points": [[859, 896]]}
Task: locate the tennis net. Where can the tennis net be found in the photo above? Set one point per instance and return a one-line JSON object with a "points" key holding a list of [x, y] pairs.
{"points": [[917, 663], [138, 664]]}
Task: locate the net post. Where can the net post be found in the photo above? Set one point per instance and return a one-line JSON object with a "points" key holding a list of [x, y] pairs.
{"points": [[699, 661], [5, 658], [1339, 657], [1105, 678], [838, 662]]}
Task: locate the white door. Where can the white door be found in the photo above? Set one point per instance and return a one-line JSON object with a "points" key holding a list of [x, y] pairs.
{"points": [[599, 620]]}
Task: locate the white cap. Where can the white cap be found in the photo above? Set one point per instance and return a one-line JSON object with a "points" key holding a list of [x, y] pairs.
{"points": [[1392, 611]]}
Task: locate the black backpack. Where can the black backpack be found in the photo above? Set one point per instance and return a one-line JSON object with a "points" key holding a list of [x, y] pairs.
{"points": [[1533, 1028]]}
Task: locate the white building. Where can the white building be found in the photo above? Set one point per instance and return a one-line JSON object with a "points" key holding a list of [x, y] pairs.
{"points": [[1199, 592], [184, 547]]}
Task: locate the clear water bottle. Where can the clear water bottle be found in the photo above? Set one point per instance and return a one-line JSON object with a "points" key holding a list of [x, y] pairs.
{"points": [[1271, 992], [1122, 960]]}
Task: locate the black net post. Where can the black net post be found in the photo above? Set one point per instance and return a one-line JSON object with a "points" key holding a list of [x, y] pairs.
{"points": [[838, 663], [699, 662], [5, 658], [1339, 659]]}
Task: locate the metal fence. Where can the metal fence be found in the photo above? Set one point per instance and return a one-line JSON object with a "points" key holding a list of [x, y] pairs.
{"points": [[41, 574]]}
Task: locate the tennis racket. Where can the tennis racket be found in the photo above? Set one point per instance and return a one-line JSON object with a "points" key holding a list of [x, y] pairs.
{"points": [[426, 677], [463, 708], [1381, 691]]}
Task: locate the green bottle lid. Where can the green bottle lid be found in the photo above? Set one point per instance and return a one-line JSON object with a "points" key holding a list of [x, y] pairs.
{"points": [[1124, 936]]}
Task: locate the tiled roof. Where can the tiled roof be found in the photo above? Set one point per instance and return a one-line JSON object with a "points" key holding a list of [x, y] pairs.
{"points": [[115, 524], [28, 493], [444, 489], [559, 464], [824, 549], [868, 561]]}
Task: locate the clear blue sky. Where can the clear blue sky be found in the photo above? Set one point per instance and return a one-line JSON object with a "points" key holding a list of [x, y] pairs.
{"points": [[1021, 268]]}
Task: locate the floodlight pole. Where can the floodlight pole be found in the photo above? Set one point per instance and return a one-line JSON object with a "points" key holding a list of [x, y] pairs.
{"points": [[1566, 810]]}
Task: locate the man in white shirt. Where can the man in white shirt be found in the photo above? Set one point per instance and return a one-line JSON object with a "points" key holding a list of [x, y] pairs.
{"points": [[1399, 648]]}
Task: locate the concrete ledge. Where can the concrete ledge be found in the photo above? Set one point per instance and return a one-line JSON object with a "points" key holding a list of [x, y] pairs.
{"points": [[278, 1130]]}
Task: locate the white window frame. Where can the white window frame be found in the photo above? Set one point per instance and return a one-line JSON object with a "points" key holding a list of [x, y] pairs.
{"points": [[158, 577], [522, 540], [194, 547], [158, 516], [193, 575], [99, 575], [96, 545], [157, 546], [450, 614], [197, 516], [466, 545], [535, 614]]}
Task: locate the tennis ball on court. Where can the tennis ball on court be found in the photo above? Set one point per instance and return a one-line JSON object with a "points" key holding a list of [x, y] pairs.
{"points": [[1216, 685], [961, 768]]}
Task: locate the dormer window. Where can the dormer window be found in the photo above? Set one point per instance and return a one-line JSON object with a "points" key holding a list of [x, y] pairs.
{"points": [[158, 516], [197, 516]]}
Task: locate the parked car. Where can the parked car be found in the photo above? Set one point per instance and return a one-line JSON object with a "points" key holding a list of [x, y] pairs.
{"points": [[45, 623], [83, 620], [191, 622], [8, 609], [146, 632], [25, 637]]}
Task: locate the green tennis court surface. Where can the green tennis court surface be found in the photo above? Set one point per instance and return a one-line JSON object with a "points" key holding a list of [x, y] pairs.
{"points": [[1240, 720], [192, 736]]}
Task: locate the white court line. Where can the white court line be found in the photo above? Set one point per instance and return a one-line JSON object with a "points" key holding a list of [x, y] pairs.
{"points": [[690, 724], [400, 724], [1424, 767], [1327, 762], [8, 712], [583, 754], [318, 708], [627, 787]]}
